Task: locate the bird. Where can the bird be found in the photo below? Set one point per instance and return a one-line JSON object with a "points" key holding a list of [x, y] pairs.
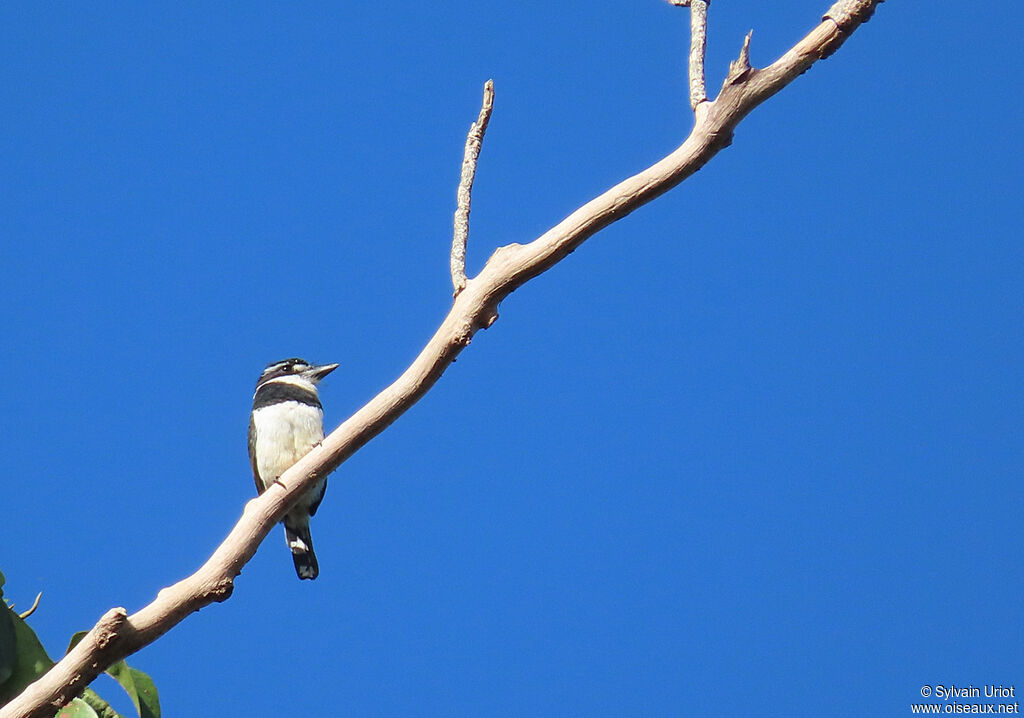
{"points": [[287, 421]]}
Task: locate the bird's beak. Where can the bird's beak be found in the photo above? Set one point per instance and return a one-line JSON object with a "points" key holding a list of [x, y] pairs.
{"points": [[319, 372]]}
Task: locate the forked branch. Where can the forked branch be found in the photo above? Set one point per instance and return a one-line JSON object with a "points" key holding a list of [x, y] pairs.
{"points": [[118, 635]]}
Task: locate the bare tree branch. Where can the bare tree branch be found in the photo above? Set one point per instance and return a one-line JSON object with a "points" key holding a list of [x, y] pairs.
{"points": [[474, 141], [118, 635]]}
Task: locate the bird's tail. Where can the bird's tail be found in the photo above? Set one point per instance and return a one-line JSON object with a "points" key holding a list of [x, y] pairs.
{"points": [[301, 545]]}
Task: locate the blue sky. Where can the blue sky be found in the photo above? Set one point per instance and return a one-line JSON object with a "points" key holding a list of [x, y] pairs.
{"points": [[754, 450]]}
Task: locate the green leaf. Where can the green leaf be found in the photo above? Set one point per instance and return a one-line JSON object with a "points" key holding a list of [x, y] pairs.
{"points": [[8, 653], [77, 708], [30, 659], [139, 687], [75, 639], [102, 708]]}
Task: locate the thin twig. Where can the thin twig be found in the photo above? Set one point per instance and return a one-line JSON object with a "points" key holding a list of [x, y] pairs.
{"points": [[474, 141], [35, 605], [698, 46]]}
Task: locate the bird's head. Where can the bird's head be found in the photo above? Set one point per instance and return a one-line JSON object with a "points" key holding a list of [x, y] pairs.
{"points": [[299, 368]]}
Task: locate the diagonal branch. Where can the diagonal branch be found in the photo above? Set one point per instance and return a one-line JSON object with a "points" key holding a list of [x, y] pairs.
{"points": [[117, 635], [474, 141]]}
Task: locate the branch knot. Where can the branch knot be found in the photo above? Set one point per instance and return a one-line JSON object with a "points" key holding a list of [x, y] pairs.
{"points": [[848, 14]]}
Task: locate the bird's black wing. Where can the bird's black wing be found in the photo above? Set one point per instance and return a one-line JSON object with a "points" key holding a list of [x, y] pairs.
{"points": [[316, 504], [252, 456]]}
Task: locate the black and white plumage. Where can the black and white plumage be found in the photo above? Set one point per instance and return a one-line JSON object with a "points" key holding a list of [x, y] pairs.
{"points": [[287, 421]]}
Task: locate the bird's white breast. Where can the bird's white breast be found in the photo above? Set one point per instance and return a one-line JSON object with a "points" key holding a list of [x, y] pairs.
{"points": [[285, 433]]}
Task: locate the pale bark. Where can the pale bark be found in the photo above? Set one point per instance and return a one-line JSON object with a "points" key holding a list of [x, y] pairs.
{"points": [[474, 141], [118, 634]]}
